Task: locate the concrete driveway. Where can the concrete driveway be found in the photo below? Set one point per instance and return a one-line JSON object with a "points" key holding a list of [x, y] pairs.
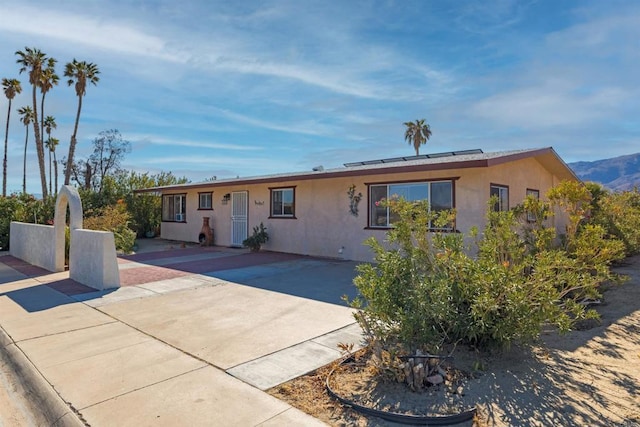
{"points": [[192, 338]]}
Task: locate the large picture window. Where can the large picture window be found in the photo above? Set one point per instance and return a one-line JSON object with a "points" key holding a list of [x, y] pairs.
{"points": [[174, 207], [283, 202], [439, 194], [502, 193]]}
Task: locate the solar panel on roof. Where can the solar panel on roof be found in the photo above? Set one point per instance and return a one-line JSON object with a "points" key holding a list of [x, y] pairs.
{"points": [[410, 158]]}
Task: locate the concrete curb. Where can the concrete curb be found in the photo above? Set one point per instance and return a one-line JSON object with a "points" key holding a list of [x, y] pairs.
{"points": [[47, 405]]}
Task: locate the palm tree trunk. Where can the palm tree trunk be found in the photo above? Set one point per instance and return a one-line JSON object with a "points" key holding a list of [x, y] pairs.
{"points": [[39, 145], [50, 192], [42, 134], [4, 159], [24, 166], [72, 145], [55, 174]]}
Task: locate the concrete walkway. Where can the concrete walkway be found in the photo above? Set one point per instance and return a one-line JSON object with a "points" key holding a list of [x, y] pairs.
{"points": [[192, 338]]}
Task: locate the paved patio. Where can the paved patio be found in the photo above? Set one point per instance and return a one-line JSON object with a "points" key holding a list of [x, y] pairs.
{"points": [[192, 337]]}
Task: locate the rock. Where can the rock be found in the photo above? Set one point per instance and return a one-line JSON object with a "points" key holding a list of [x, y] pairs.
{"points": [[435, 379], [460, 391]]}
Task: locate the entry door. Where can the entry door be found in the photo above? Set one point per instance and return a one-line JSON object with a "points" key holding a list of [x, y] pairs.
{"points": [[239, 211]]}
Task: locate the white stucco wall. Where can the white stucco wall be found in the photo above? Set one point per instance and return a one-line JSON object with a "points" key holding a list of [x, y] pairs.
{"points": [[33, 243], [323, 224], [92, 259]]}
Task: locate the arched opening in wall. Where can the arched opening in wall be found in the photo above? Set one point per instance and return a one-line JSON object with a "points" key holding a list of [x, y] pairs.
{"points": [[68, 211]]}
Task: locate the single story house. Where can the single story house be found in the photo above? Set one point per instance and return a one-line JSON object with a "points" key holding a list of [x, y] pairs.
{"points": [[329, 213]]}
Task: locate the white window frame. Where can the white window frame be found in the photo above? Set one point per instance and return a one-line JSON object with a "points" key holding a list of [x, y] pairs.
{"points": [[204, 206], [281, 213], [502, 191], [176, 211]]}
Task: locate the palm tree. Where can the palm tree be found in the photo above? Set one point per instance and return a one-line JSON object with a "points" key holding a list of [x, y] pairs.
{"points": [[52, 144], [11, 88], [79, 73], [27, 118], [48, 124], [48, 80], [418, 133], [33, 60]]}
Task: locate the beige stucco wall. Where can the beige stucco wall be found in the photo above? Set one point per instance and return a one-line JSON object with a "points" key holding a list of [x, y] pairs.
{"points": [[323, 224]]}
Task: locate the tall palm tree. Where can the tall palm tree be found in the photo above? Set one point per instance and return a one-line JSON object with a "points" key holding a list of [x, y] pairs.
{"points": [[79, 73], [48, 79], [11, 88], [48, 124], [27, 118], [33, 61], [418, 133], [53, 143]]}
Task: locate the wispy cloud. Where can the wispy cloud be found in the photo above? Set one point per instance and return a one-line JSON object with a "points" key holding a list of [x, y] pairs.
{"points": [[167, 142], [84, 30]]}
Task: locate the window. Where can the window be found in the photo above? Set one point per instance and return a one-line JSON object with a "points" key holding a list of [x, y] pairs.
{"points": [[283, 202], [438, 193], [502, 193], [174, 207], [531, 217], [204, 201]]}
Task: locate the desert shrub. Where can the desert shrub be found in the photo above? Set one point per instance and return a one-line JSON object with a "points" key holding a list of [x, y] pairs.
{"points": [[426, 289], [258, 238], [23, 208], [114, 218], [618, 213]]}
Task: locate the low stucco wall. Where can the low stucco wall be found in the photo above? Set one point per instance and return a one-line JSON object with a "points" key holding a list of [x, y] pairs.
{"points": [[34, 243], [92, 260]]}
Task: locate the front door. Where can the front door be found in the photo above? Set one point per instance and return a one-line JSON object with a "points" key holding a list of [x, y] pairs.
{"points": [[239, 213]]}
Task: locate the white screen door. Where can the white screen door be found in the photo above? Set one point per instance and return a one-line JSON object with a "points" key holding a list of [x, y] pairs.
{"points": [[239, 210]]}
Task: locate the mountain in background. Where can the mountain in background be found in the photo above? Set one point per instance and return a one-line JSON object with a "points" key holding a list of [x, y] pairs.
{"points": [[619, 173]]}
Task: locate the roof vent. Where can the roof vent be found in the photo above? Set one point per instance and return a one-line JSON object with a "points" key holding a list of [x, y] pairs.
{"points": [[318, 168]]}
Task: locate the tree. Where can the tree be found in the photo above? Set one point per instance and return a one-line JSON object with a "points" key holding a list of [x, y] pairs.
{"points": [[109, 149], [11, 87], [27, 118], [79, 73], [53, 143], [33, 60], [108, 152], [48, 124], [48, 80], [417, 133]]}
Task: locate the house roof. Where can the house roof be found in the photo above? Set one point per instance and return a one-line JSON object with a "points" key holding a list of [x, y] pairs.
{"points": [[433, 162]]}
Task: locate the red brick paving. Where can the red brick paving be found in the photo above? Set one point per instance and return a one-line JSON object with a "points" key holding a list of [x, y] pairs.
{"points": [[147, 273], [70, 287], [23, 267], [232, 262], [169, 253], [140, 275]]}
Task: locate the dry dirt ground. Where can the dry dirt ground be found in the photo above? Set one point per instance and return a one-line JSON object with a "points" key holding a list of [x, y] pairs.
{"points": [[588, 377]]}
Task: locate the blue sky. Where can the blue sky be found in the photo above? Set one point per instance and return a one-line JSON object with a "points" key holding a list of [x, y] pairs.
{"points": [[204, 88]]}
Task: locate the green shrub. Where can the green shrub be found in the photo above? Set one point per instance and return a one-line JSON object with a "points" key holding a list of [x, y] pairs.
{"points": [[619, 214], [115, 219], [426, 289], [257, 239], [23, 208]]}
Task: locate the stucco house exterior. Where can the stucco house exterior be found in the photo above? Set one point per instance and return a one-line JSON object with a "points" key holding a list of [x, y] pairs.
{"points": [[330, 213]]}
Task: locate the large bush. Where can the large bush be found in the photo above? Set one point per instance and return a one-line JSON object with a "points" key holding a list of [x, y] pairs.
{"points": [[427, 289], [115, 219], [23, 208], [619, 215]]}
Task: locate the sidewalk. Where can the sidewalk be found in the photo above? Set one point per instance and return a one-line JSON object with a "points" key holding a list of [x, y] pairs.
{"points": [[192, 338]]}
